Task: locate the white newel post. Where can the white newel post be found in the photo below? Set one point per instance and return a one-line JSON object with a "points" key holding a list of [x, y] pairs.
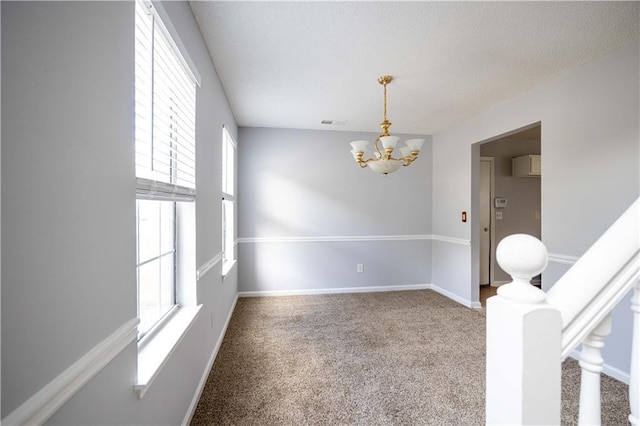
{"points": [[634, 379], [523, 341], [591, 362]]}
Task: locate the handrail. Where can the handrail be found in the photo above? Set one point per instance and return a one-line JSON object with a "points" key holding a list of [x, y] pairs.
{"points": [[529, 331], [597, 282]]}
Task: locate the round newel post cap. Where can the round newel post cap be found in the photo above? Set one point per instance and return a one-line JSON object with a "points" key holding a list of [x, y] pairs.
{"points": [[523, 257]]}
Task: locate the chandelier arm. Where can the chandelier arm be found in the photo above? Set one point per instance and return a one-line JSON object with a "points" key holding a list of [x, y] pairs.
{"points": [[412, 158], [362, 163], [375, 145], [405, 160]]}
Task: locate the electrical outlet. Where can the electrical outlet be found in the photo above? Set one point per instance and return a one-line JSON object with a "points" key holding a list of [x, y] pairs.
{"points": [[499, 215], [360, 267]]}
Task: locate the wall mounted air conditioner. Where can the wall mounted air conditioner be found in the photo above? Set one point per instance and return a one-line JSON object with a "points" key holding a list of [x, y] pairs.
{"points": [[526, 166]]}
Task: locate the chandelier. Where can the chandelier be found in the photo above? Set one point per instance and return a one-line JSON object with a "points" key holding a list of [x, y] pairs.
{"points": [[384, 162]]}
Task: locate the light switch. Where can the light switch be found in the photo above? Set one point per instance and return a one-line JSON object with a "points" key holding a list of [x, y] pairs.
{"points": [[536, 215], [498, 215]]}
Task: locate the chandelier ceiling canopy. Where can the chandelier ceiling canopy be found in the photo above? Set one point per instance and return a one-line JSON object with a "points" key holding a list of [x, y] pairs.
{"points": [[384, 161]]}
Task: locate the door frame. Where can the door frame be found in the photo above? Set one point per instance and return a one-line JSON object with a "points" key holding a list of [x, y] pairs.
{"points": [[492, 219]]}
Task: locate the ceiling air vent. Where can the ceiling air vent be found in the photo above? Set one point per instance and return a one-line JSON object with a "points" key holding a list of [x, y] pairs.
{"points": [[334, 122]]}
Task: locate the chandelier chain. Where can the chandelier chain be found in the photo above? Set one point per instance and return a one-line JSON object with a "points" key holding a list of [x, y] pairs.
{"points": [[385, 102]]}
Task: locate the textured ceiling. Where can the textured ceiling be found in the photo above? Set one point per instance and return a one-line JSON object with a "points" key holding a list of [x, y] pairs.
{"points": [[294, 64]]}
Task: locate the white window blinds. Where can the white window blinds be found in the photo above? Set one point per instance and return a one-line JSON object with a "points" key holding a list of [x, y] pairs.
{"points": [[165, 112]]}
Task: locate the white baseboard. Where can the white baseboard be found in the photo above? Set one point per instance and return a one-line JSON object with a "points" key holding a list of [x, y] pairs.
{"points": [[616, 373], [499, 283], [455, 297], [203, 380], [607, 369], [303, 292]]}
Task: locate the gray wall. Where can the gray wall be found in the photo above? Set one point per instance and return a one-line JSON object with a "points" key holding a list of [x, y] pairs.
{"points": [[68, 194], [305, 184], [522, 194], [68, 246], [590, 171]]}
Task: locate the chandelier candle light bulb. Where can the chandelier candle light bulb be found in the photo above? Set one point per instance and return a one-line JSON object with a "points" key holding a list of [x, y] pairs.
{"points": [[384, 162]]}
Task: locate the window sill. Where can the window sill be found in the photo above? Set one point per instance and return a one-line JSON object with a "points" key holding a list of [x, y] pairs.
{"points": [[155, 352], [227, 267]]}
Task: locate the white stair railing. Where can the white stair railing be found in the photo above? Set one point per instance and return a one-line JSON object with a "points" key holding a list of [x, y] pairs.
{"points": [[634, 382], [530, 333], [523, 342]]}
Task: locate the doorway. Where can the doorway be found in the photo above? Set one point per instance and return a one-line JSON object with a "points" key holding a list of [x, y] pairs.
{"points": [[518, 198]]}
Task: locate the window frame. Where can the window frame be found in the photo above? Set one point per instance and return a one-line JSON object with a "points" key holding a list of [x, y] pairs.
{"points": [[159, 342], [229, 155], [173, 253]]}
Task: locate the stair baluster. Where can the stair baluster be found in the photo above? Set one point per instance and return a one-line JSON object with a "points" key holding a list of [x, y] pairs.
{"points": [[591, 362]]}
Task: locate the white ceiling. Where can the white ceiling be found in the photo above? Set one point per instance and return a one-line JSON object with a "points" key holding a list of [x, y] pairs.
{"points": [[294, 64]]}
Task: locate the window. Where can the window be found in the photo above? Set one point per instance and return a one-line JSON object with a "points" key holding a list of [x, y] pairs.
{"points": [[165, 99], [156, 260], [228, 201]]}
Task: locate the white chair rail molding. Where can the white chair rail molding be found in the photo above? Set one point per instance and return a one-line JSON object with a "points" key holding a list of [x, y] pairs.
{"points": [[530, 332]]}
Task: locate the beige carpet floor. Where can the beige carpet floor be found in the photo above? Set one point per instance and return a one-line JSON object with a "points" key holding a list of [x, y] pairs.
{"points": [[410, 357]]}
